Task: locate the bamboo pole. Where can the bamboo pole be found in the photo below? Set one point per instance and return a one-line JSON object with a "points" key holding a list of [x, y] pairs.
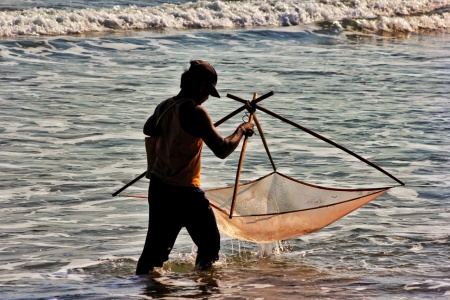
{"points": [[263, 138], [241, 160], [330, 142], [229, 116], [129, 184], [254, 101]]}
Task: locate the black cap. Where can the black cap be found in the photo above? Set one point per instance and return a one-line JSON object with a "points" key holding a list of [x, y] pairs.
{"points": [[205, 70]]}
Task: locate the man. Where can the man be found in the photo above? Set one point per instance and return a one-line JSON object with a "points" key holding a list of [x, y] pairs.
{"points": [[175, 198]]}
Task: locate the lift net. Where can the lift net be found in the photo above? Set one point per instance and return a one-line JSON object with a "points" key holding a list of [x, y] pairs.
{"points": [[277, 207]]}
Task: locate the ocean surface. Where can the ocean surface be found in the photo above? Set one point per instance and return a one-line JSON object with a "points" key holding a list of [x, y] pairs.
{"points": [[79, 78]]}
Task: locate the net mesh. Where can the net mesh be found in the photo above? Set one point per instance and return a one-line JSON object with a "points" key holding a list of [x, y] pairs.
{"points": [[277, 207]]}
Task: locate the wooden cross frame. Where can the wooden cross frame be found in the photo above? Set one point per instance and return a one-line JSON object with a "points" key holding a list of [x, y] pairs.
{"points": [[252, 106]]}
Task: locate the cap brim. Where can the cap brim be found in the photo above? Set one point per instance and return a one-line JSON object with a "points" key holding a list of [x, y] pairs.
{"points": [[213, 92]]}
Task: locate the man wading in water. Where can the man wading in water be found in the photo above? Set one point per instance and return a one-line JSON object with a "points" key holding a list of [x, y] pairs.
{"points": [[174, 195]]}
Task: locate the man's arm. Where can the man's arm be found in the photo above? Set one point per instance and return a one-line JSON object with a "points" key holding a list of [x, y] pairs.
{"points": [[197, 122]]}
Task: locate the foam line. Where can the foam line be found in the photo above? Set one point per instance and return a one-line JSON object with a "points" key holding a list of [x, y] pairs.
{"points": [[378, 15]]}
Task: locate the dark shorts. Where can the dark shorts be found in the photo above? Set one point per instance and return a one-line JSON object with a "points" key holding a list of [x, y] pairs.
{"points": [[172, 208]]}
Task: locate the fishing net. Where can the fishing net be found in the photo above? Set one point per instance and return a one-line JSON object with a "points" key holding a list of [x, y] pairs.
{"points": [[277, 207]]}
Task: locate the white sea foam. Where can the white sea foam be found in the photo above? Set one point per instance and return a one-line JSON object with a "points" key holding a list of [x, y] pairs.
{"points": [[64, 273], [259, 285], [403, 193], [43, 236], [416, 247], [394, 15], [22, 225], [10, 266], [429, 284], [18, 277], [75, 264]]}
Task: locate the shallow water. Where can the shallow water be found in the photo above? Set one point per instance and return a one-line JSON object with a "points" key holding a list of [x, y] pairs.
{"points": [[70, 135]]}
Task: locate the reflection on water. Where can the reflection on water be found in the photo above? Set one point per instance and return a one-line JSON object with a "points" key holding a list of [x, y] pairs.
{"points": [[189, 285]]}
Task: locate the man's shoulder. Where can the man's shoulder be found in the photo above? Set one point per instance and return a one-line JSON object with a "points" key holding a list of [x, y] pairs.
{"points": [[193, 111], [162, 106], [195, 119]]}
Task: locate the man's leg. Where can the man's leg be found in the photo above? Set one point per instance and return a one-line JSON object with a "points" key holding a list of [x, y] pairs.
{"points": [[202, 228], [158, 245], [163, 229]]}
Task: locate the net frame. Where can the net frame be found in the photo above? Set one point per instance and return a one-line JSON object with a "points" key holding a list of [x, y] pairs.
{"points": [[251, 107]]}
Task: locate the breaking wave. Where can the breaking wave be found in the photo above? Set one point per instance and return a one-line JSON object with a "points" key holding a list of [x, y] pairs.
{"points": [[368, 16]]}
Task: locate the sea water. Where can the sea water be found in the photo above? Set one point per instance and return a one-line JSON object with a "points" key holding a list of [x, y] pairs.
{"points": [[78, 80]]}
